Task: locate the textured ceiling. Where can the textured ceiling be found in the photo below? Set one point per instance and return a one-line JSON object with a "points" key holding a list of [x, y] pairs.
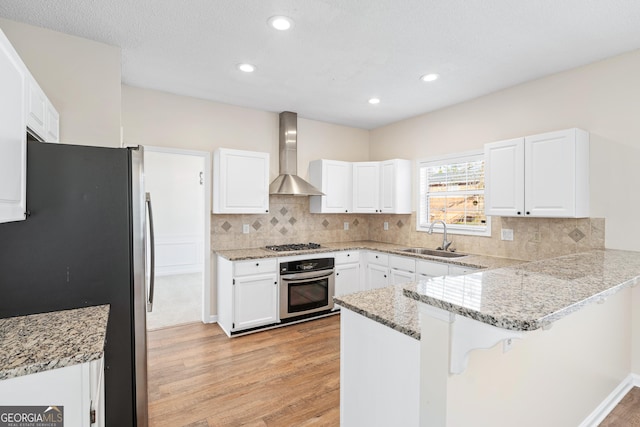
{"points": [[340, 53]]}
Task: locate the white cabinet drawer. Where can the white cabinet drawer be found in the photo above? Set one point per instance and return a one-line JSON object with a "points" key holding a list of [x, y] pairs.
{"points": [[256, 266], [378, 258], [433, 269], [402, 263], [347, 257], [459, 270]]}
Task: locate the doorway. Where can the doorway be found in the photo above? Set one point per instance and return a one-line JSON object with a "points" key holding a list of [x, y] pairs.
{"points": [[179, 184]]}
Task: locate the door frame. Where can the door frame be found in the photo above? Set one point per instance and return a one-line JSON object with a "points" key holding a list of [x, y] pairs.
{"points": [[207, 285]]}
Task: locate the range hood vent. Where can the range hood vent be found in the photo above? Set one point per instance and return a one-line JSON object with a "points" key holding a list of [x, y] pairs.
{"points": [[288, 182]]}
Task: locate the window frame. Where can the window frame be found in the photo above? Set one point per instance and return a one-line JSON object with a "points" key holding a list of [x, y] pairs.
{"points": [[443, 160]]}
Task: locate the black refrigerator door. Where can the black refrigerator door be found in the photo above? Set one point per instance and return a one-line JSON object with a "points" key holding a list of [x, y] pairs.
{"points": [[75, 250]]}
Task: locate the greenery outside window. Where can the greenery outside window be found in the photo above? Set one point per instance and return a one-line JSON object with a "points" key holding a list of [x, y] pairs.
{"points": [[451, 189]]}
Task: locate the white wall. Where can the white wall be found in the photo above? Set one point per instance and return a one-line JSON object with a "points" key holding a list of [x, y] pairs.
{"points": [[80, 77], [602, 98], [161, 119], [554, 377]]}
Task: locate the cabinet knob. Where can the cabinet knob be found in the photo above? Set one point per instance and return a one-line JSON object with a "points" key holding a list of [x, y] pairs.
{"points": [[346, 210], [385, 276], [267, 211], [519, 213], [528, 213], [337, 274], [257, 264], [376, 256], [348, 254], [275, 283]]}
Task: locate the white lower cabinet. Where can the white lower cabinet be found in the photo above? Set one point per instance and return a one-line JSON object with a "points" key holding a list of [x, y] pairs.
{"points": [[78, 389], [377, 270], [247, 293], [255, 301], [401, 270], [347, 267]]}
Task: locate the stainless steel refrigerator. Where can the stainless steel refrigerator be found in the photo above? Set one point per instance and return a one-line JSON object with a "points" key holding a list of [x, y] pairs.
{"points": [[84, 243]]}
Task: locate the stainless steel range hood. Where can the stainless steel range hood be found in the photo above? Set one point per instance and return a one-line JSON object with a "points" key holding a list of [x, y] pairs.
{"points": [[288, 182]]}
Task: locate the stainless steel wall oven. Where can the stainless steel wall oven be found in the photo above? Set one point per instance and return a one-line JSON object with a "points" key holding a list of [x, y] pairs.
{"points": [[306, 287]]}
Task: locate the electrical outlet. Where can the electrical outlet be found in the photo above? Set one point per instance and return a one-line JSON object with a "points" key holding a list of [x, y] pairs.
{"points": [[346, 225], [245, 228], [536, 237], [507, 234], [385, 226]]}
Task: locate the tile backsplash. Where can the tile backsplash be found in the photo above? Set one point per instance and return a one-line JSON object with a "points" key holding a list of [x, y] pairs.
{"points": [[289, 221]]}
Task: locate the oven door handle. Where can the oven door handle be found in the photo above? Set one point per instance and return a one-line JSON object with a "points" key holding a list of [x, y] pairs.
{"points": [[312, 275]]}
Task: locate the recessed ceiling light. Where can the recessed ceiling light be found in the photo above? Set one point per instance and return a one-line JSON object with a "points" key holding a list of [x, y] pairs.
{"points": [[429, 77], [247, 68], [374, 101], [281, 23]]}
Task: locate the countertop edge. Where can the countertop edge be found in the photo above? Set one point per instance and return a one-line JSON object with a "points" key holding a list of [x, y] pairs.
{"points": [[379, 319]]}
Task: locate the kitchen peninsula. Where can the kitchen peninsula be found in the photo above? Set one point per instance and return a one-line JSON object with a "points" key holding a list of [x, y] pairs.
{"points": [[556, 343]]}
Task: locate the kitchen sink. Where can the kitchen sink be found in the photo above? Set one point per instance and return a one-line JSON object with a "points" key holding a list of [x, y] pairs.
{"points": [[434, 252]]}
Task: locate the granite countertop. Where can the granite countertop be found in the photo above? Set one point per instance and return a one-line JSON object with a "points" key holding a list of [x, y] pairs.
{"points": [[40, 342], [388, 306], [535, 294], [522, 297], [471, 260]]}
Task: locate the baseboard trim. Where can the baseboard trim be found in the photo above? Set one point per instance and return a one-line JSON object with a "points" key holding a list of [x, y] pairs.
{"points": [[610, 402]]}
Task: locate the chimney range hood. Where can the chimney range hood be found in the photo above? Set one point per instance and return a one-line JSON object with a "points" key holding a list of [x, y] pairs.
{"points": [[288, 182]]}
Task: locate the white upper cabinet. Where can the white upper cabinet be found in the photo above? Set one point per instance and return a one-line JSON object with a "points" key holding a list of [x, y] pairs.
{"points": [[334, 179], [395, 186], [504, 177], [43, 119], [366, 187], [240, 181], [544, 175], [382, 187], [13, 125]]}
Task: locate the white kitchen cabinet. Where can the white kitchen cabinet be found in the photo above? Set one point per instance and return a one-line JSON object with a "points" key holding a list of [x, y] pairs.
{"points": [[460, 270], [401, 270], [53, 124], [247, 293], [426, 268], [334, 179], [240, 181], [255, 301], [13, 145], [366, 187], [544, 175], [382, 187], [73, 387], [395, 186], [347, 267], [377, 270], [43, 119], [36, 108]]}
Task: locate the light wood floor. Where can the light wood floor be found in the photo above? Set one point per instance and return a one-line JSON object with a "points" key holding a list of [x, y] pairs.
{"points": [[284, 377]]}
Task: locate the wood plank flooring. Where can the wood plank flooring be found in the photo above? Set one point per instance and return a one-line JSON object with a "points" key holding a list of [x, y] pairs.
{"points": [[283, 377], [627, 413]]}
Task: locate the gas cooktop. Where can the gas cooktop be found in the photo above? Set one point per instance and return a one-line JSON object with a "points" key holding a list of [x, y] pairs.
{"points": [[294, 247]]}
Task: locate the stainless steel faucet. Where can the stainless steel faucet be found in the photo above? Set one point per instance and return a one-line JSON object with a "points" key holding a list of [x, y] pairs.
{"points": [[445, 242]]}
